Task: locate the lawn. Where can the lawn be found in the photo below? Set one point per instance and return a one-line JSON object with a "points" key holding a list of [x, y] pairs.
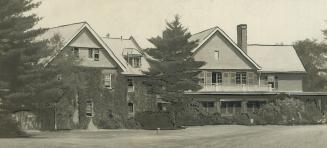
{"points": [[224, 136]]}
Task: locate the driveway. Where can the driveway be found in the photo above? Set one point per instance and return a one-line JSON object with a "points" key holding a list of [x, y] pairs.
{"points": [[224, 136]]}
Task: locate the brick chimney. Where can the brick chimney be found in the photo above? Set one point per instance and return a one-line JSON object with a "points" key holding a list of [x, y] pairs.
{"points": [[242, 37]]}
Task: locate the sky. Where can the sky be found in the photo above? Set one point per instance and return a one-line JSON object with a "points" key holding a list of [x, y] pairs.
{"points": [[269, 21]]}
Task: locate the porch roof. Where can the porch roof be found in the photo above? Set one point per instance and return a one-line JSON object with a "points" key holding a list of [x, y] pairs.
{"points": [[258, 93]]}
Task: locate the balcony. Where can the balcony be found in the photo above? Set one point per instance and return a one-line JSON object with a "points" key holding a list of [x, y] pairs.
{"points": [[237, 88]]}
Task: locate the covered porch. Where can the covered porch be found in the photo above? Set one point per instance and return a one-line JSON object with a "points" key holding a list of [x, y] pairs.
{"points": [[234, 103]]}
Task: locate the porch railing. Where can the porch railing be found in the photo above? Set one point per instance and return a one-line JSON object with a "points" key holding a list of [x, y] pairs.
{"points": [[242, 87]]}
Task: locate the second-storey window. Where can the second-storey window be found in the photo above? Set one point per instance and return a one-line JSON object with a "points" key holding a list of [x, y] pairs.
{"points": [[216, 55], [107, 80], [75, 52], [240, 77], [216, 78], [135, 61], [130, 84], [271, 79], [90, 53], [96, 54], [202, 78]]}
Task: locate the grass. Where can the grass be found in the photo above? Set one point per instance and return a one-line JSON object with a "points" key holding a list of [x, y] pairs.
{"points": [[224, 136]]}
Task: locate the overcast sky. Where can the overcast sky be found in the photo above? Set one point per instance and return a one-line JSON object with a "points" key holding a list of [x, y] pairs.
{"points": [[269, 21]]}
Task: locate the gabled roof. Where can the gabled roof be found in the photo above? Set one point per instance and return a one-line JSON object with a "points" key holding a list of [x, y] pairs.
{"points": [[276, 58], [68, 33], [121, 47], [203, 36]]}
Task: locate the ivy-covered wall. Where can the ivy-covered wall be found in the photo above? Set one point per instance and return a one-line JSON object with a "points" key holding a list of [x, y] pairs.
{"points": [[109, 105], [139, 97]]}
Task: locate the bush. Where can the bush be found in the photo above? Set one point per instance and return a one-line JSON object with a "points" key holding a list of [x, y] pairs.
{"points": [[9, 128], [154, 120]]}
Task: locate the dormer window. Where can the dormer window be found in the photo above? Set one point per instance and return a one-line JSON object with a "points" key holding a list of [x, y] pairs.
{"points": [[135, 61]]}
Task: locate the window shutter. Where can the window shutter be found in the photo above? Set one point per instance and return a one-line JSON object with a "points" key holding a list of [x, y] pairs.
{"points": [[255, 79], [250, 78], [233, 78], [226, 78], [209, 78]]}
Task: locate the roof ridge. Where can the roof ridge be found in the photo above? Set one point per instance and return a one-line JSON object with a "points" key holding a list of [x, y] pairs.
{"points": [[267, 45], [68, 24], [205, 30], [116, 38]]}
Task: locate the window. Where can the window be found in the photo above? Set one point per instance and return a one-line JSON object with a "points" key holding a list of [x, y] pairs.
{"points": [[254, 106], [130, 84], [90, 53], [208, 104], [272, 81], [162, 107], [89, 109], [202, 77], [75, 52], [130, 108], [216, 54], [216, 78], [59, 77], [107, 80], [135, 61], [96, 54], [240, 77], [231, 107]]}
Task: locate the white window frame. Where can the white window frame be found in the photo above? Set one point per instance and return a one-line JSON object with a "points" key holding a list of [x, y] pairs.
{"points": [[108, 80], [271, 79], [219, 80], [132, 87], [216, 55], [89, 108], [242, 78], [132, 61], [96, 53]]}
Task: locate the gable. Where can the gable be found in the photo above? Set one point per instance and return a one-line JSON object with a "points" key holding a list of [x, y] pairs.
{"points": [[85, 39], [229, 56]]}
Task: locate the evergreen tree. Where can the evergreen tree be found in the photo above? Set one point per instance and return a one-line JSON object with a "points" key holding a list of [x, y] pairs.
{"points": [[311, 54], [173, 69], [18, 48]]}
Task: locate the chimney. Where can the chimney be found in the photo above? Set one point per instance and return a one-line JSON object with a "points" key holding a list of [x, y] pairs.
{"points": [[242, 37]]}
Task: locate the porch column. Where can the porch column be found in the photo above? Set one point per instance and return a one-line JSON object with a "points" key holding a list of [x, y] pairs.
{"points": [[244, 106], [217, 103], [319, 104], [323, 103]]}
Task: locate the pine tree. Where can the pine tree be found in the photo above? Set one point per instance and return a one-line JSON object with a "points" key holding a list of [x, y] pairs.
{"points": [[173, 69], [18, 48]]}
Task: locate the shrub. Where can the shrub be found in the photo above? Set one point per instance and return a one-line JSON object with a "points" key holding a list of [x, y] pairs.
{"points": [[154, 120], [9, 128]]}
